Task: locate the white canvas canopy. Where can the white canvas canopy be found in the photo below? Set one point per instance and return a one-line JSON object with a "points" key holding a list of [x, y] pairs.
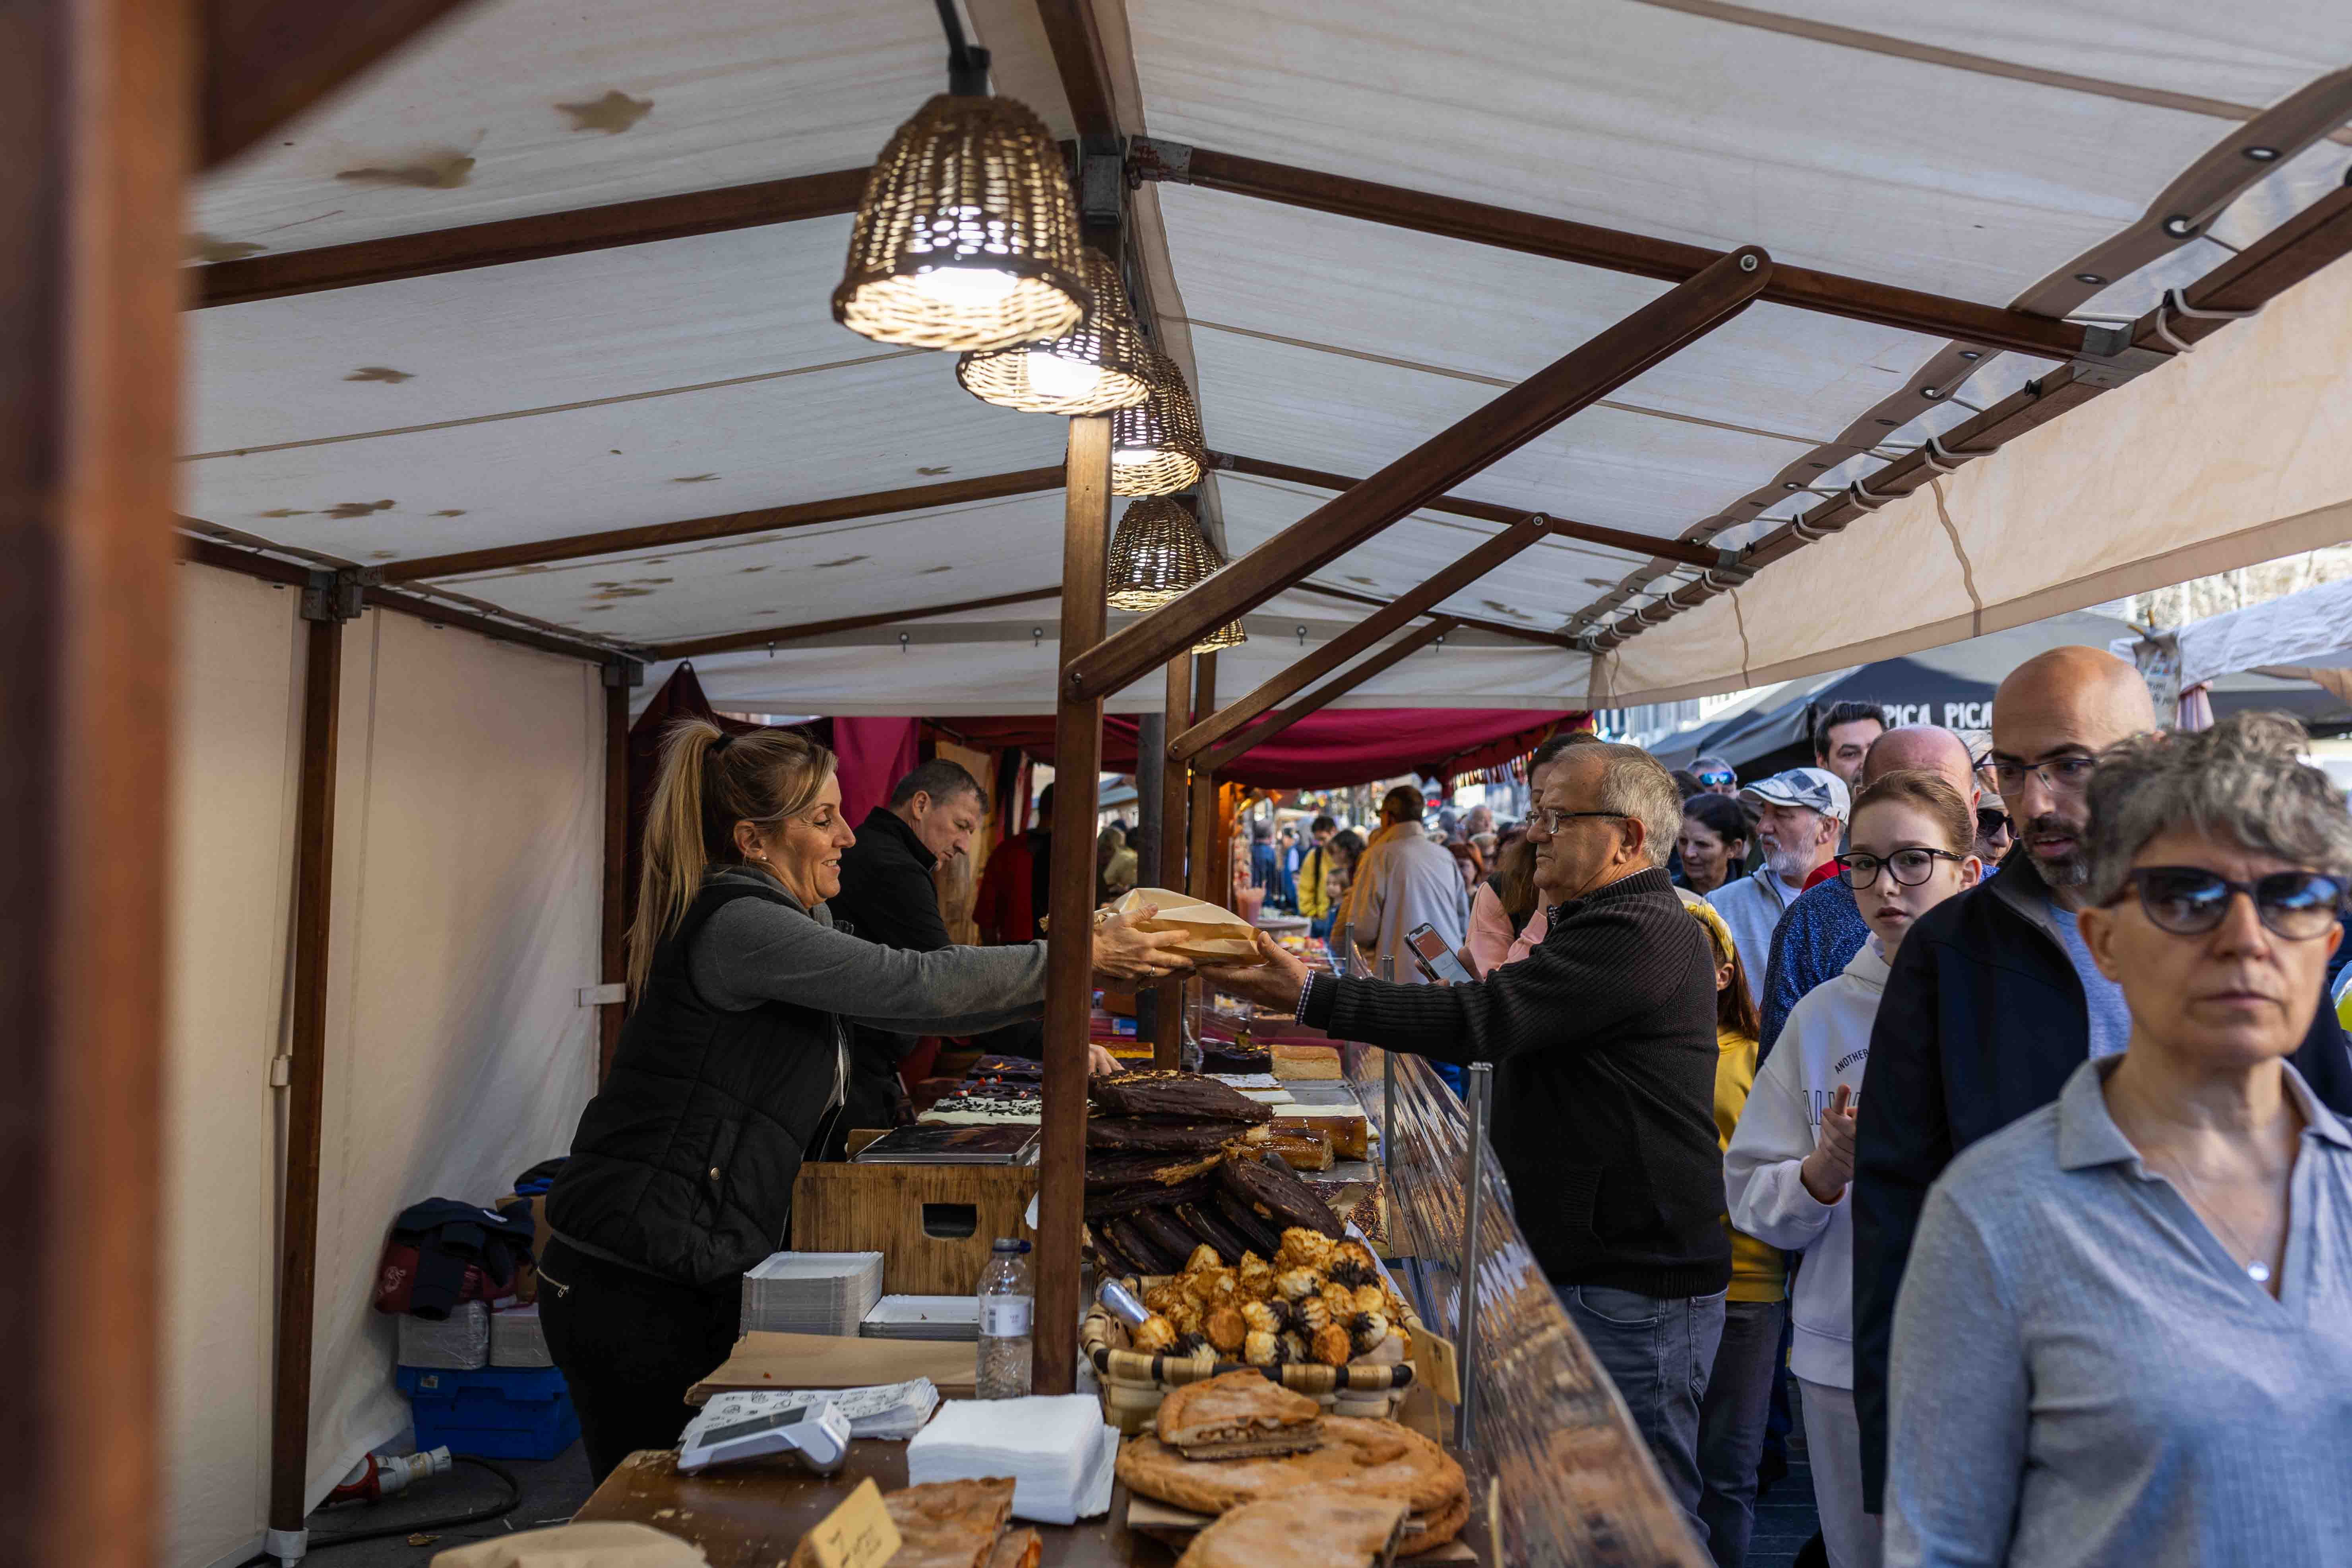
{"points": [[1989, 154], [1993, 153], [2309, 630]]}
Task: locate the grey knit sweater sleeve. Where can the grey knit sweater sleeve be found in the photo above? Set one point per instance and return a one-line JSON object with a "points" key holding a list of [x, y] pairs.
{"points": [[754, 951]]}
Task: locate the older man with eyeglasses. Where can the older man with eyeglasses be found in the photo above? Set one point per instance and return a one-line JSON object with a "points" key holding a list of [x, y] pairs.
{"points": [[1603, 1041], [1994, 999]]}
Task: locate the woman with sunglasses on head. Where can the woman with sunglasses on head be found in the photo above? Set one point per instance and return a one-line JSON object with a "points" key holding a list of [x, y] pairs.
{"points": [[2125, 1334], [732, 1067], [1790, 1162]]}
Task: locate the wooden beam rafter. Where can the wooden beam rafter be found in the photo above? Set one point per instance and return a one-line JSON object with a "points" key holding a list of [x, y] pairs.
{"points": [[1590, 245], [1632, 544], [262, 62], [1467, 623], [727, 525], [2305, 243], [1340, 685], [1357, 638], [278, 275], [1578, 379], [729, 642]]}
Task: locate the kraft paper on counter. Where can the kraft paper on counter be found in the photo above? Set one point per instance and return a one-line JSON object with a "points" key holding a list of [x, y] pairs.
{"points": [[1216, 935], [610, 1544]]}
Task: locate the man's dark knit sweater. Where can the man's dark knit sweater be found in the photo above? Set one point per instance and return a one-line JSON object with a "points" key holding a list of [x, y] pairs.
{"points": [[1604, 1044]]}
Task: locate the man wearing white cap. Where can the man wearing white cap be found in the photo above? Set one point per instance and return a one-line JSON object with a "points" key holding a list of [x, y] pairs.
{"points": [[1800, 814]]}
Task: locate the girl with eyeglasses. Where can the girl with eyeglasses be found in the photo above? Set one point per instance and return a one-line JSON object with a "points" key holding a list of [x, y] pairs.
{"points": [[2124, 1333], [1790, 1165]]}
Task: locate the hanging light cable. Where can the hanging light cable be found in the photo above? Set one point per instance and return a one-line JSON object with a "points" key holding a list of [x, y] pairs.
{"points": [[1157, 554], [966, 237], [1094, 369], [1156, 447]]}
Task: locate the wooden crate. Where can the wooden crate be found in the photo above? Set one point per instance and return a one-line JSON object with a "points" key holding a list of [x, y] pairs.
{"points": [[912, 1214]]}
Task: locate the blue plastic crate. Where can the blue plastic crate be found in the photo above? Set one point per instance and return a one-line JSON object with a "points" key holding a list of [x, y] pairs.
{"points": [[498, 1412]]}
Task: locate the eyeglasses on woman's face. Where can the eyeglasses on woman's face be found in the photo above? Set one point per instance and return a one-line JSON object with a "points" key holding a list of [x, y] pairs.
{"points": [[2188, 900], [1909, 867], [1717, 780]]}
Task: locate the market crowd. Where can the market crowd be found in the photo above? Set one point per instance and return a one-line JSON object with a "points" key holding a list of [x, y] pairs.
{"points": [[2072, 1282]]}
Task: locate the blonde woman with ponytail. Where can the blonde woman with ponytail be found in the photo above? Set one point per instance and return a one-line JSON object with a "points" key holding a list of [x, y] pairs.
{"points": [[732, 1065]]}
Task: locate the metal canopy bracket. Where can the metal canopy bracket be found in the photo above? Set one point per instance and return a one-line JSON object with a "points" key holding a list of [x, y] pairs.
{"points": [[2109, 358], [332, 596]]}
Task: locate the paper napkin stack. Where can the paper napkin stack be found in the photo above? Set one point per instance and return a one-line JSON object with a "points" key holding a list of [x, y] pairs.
{"points": [[1056, 1448]]}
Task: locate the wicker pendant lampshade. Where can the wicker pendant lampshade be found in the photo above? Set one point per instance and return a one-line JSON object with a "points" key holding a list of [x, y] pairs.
{"points": [[1230, 634], [1094, 369], [966, 237], [1156, 448], [1157, 554]]}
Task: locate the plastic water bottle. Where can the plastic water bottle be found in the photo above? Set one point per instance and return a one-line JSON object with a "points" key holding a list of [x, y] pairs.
{"points": [[1008, 1306]]}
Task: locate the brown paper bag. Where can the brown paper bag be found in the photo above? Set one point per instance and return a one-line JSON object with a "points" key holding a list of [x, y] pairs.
{"points": [[1214, 935]]}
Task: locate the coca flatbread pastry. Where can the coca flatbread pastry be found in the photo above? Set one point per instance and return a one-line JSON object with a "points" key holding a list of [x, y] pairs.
{"points": [[1238, 1414], [1367, 1458], [1309, 1529], [941, 1524]]}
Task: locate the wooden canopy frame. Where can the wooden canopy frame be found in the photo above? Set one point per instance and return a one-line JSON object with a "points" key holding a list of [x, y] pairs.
{"points": [[115, 101]]}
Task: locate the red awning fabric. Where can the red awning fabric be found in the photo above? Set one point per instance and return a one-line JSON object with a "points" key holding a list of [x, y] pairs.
{"points": [[1327, 750]]}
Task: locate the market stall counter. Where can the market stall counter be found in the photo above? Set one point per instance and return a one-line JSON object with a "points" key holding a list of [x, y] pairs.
{"points": [[754, 1514]]}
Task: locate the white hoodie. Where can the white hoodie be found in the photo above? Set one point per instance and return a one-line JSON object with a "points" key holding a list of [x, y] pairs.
{"points": [[1825, 1043]]}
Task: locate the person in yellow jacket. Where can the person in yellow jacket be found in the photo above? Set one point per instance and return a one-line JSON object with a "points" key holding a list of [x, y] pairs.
{"points": [[1739, 1396], [1315, 868]]}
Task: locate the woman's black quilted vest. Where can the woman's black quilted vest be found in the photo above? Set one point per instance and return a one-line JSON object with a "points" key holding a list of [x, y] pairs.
{"points": [[684, 1161]]}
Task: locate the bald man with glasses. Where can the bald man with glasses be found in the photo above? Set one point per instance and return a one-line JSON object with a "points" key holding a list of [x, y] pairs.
{"points": [[1994, 1001]]}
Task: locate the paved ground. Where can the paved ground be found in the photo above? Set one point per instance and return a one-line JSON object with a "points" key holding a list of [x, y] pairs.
{"points": [[551, 1490]]}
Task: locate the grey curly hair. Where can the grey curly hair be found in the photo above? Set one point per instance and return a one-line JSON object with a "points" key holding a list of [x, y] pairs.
{"points": [[2238, 781]]}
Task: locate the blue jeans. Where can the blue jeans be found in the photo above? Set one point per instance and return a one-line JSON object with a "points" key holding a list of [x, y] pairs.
{"points": [[1731, 1425], [1658, 1351]]}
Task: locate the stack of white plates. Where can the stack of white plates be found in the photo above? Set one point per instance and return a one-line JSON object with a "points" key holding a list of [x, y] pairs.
{"points": [[811, 1292], [924, 1318]]}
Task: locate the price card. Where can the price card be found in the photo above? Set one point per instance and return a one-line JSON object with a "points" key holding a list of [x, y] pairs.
{"points": [[857, 1534], [1436, 1360]]}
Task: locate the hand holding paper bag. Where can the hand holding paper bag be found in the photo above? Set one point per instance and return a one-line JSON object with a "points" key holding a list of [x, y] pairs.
{"points": [[1211, 934]]}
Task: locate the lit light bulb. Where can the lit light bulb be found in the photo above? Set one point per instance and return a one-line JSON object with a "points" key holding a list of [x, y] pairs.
{"points": [[1052, 375], [966, 287]]}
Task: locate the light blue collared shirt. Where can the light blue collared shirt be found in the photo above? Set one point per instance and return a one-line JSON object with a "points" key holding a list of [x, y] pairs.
{"points": [[2084, 1377]]}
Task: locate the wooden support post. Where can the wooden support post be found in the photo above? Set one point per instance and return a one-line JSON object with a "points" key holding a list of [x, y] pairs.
{"points": [[95, 98], [1069, 963], [297, 1250], [1204, 860], [614, 969], [1338, 686], [1582, 376], [1356, 638], [1151, 775], [1168, 1015]]}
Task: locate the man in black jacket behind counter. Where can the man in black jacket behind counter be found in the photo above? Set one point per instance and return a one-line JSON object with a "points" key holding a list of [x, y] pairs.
{"points": [[1604, 1044], [888, 896]]}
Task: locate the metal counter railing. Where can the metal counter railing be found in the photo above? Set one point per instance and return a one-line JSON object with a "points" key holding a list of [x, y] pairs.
{"points": [[1551, 1447]]}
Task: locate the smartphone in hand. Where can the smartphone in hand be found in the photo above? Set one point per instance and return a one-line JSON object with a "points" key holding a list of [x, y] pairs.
{"points": [[1436, 960]]}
